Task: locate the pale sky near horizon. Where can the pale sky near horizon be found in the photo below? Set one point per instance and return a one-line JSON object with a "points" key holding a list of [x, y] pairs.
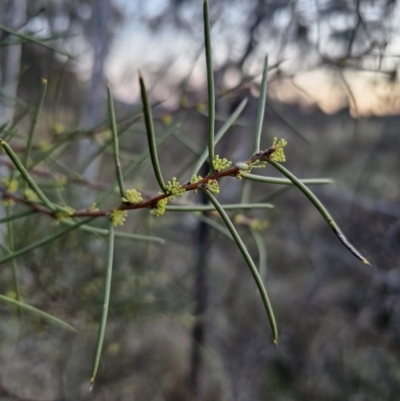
{"points": [[135, 47]]}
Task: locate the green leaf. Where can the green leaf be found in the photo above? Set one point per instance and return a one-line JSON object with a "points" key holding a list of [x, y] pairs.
{"points": [[33, 310], [26, 175], [249, 262], [113, 125], [221, 132], [321, 208], [106, 302], [150, 135], [44, 241], [210, 83], [208, 208], [33, 40], [36, 113], [283, 181], [261, 106]]}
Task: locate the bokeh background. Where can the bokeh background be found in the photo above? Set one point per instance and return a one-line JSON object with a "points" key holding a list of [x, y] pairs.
{"points": [[186, 321]]}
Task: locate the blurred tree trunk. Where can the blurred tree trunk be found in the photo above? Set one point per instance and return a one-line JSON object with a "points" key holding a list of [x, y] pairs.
{"points": [[100, 40], [12, 15]]}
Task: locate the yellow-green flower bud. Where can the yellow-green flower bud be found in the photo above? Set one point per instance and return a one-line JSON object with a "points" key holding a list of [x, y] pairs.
{"points": [[132, 196], [8, 202], [93, 208], [278, 155], [159, 209], [196, 178], [220, 164], [118, 217], [259, 225], [11, 185], [65, 214], [174, 189], [212, 186], [30, 195]]}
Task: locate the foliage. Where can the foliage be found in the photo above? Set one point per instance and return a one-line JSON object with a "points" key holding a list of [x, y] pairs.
{"points": [[42, 198]]}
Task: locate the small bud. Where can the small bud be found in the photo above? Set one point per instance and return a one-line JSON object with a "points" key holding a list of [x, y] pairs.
{"points": [[159, 209], [11, 185], [212, 186], [132, 196], [174, 189], [30, 195], [220, 164], [93, 208], [118, 217]]}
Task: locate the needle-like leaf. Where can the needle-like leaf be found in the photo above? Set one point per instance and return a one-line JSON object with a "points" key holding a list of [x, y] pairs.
{"points": [[106, 302], [250, 263]]}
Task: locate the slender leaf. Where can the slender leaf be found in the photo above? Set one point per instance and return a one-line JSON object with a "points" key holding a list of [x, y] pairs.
{"points": [[262, 251], [34, 121], [249, 262], [221, 132], [207, 208], [106, 302], [102, 148], [210, 83], [113, 125], [44, 241], [103, 231], [261, 106], [33, 40], [26, 175], [35, 311], [212, 223], [320, 207], [283, 181], [10, 235], [136, 164], [151, 139], [17, 216]]}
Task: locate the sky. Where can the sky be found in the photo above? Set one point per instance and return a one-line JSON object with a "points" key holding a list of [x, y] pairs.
{"points": [[136, 47]]}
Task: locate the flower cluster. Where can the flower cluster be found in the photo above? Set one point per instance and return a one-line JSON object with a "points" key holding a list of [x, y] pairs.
{"points": [[246, 167], [159, 208], [212, 186], [45, 146], [64, 214], [11, 185], [118, 217], [8, 202], [93, 207], [259, 225], [174, 189], [30, 195], [132, 196], [255, 224], [194, 179], [220, 164], [278, 155]]}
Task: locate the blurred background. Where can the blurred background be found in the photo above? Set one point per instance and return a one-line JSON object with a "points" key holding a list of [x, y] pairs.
{"points": [[186, 321]]}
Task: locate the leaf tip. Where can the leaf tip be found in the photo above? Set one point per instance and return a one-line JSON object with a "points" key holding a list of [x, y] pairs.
{"points": [[275, 343], [91, 384], [365, 261]]}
